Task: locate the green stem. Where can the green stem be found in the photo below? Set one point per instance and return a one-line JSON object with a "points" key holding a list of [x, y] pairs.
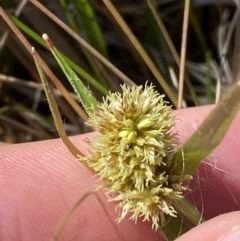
{"points": [[189, 211]]}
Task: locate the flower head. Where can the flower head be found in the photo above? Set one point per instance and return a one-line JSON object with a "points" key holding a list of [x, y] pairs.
{"points": [[131, 155]]}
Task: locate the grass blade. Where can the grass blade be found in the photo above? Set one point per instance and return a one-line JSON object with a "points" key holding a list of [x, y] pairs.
{"points": [[84, 94], [208, 136], [54, 109]]}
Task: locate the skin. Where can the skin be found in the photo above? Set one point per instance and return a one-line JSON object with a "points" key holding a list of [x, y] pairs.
{"points": [[40, 181]]}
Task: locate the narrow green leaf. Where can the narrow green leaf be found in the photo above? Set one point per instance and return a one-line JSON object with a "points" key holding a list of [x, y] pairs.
{"points": [[84, 94], [90, 25], [208, 136]]}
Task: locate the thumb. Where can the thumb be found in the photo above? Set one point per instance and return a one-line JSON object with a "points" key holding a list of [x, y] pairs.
{"points": [[225, 227], [232, 235]]}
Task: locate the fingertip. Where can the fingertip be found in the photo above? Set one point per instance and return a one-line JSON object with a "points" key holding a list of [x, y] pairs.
{"points": [[214, 229]]}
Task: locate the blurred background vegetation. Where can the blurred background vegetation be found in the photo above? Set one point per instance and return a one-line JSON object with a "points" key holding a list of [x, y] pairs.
{"points": [[212, 57]]}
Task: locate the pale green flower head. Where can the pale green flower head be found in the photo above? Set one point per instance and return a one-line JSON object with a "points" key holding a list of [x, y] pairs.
{"points": [[131, 154]]}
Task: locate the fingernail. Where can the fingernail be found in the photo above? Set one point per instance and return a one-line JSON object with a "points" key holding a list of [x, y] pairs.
{"points": [[232, 235]]}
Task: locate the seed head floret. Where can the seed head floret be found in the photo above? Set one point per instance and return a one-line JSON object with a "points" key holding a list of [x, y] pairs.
{"points": [[131, 154]]}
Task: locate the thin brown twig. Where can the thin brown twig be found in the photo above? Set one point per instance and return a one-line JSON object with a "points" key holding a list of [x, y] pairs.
{"points": [[183, 52], [70, 211], [164, 32], [30, 84]]}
